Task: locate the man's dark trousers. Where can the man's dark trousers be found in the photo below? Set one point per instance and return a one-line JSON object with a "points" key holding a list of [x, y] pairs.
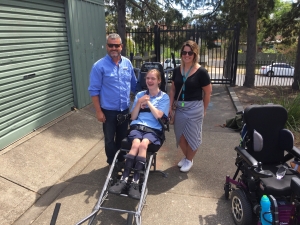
{"points": [[113, 134]]}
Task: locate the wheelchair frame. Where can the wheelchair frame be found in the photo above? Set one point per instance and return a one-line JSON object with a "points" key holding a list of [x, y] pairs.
{"points": [[151, 162]]}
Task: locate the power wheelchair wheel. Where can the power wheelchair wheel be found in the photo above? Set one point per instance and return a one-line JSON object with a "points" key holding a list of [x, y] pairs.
{"points": [[240, 208]]}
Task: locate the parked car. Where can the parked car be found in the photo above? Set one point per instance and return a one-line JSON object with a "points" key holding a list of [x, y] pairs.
{"points": [[168, 64], [278, 69]]}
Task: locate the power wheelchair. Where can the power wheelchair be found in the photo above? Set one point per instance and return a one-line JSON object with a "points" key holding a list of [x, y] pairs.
{"points": [[263, 165]]}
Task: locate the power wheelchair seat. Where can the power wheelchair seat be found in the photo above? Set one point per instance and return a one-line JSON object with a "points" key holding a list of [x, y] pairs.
{"points": [[262, 163], [115, 172]]}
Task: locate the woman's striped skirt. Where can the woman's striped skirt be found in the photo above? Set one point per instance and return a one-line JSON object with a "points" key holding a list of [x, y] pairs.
{"points": [[188, 122]]}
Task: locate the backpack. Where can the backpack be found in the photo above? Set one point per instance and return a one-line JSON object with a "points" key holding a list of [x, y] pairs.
{"points": [[235, 123]]}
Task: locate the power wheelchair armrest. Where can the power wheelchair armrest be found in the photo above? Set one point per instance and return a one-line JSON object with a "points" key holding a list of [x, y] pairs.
{"points": [[255, 167], [292, 153], [295, 151]]}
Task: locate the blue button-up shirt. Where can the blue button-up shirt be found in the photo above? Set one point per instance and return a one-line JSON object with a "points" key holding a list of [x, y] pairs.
{"points": [[112, 83]]}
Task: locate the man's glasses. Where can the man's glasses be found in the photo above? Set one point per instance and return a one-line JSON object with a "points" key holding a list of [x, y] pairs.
{"points": [[114, 45], [190, 53]]}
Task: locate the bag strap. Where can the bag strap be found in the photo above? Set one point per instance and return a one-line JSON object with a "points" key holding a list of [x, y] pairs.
{"points": [[179, 93]]}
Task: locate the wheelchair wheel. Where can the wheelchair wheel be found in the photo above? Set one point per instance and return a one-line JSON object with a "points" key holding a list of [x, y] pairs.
{"points": [[240, 208]]}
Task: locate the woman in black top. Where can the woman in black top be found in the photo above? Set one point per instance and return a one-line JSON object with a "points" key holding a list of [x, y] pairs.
{"points": [[192, 84]]}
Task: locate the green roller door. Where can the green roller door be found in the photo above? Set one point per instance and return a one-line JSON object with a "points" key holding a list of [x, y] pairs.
{"points": [[35, 73]]}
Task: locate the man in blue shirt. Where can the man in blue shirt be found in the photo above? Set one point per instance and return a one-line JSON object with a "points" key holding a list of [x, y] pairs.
{"points": [[111, 80]]}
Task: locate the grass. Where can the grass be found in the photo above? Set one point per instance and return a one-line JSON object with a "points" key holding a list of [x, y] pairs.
{"points": [[292, 104], [283, 95]]}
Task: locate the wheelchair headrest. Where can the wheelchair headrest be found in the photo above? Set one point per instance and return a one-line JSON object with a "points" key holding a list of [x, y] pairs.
{"points": [[149, 66], [268, 121], [265, 117], [152, 65]]}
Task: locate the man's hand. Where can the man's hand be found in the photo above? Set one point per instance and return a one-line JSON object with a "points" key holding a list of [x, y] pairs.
{"points": [[100, 116]]}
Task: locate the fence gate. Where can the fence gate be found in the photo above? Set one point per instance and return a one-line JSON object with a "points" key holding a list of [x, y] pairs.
{"points": [[218, 47]]}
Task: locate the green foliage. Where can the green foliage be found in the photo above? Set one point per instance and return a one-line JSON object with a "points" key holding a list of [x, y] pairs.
{"points": [[167, 53], [288, 50], [145, 13], [292, 105], [231, 12], [283, 22], [268, 50]]}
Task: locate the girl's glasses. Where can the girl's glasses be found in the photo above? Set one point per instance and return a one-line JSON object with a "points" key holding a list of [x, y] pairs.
{"points": [[190, 53]]}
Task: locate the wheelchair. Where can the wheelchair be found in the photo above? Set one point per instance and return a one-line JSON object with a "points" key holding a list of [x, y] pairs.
{"points": [[115, 172], [263, 162], [117, 168]]}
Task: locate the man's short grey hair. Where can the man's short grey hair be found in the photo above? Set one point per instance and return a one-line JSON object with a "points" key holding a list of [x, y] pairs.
{"points": [[114, 36]]}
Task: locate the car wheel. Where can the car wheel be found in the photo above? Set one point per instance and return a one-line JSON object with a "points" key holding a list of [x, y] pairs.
{"points": [[270, 73], [240, 208]]}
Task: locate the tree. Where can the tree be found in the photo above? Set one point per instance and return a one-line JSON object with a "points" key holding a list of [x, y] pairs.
{"points": [[146, 12], [288, 25], [139, 12], [251, 43], [246, 13]]}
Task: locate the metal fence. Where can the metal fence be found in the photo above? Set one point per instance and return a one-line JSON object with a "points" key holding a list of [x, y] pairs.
{"points": [[161, 43], [268, 73], [218, 54]]}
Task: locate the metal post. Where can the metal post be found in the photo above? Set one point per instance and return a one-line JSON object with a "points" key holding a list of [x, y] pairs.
{"points": [[131, 56], [271, 75], [173, 59], [157, 43], [236, 53]]}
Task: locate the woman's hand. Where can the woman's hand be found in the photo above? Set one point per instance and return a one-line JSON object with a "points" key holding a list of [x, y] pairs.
{"points": [[170, 111]]}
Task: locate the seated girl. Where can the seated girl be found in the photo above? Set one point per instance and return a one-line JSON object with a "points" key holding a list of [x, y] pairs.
{"points": [[147, 108]]}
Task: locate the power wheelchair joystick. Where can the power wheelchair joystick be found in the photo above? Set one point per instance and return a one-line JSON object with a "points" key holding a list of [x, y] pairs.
{"points": [[260, 172], [259, 167]]}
